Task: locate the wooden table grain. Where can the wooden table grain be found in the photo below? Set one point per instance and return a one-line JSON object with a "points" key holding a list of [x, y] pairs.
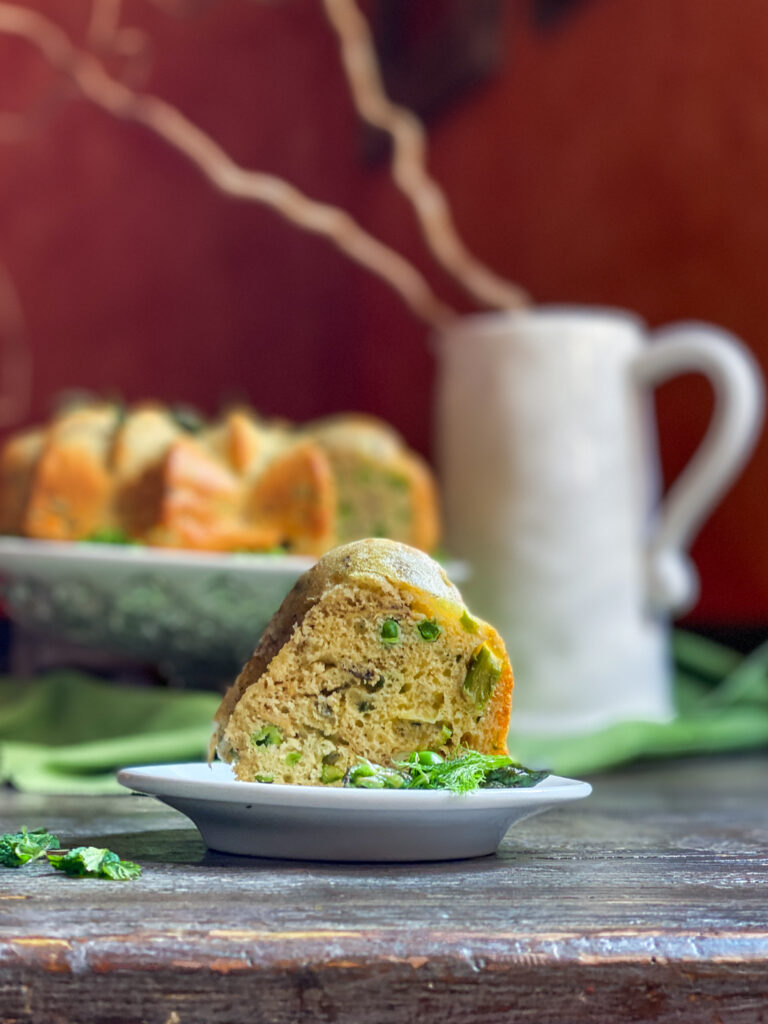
{"points": [[647, 902]]}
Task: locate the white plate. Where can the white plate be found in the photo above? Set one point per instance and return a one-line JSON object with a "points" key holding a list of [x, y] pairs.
{"points": [[331, 823], [198, 614]]}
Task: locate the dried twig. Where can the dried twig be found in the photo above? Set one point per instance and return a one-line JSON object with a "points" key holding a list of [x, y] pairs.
{"points": [[16, 360], [167, 122], [409, 170]]}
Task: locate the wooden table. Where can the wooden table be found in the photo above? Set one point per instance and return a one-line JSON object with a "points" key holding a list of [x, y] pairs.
{"points": [[647, 902]]}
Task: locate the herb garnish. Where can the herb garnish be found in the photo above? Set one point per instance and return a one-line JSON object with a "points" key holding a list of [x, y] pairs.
{"points": [[425, 769], [24, 847], [18, 848], [94, 862]]}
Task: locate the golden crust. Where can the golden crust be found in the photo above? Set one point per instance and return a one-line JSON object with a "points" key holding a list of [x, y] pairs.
{"points": [[192, 501], [72, 490], [18, 462], [295, 499]]}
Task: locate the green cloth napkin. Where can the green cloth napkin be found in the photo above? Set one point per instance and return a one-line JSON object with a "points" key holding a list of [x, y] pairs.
{"points": [[67, 732], [722, 705]]}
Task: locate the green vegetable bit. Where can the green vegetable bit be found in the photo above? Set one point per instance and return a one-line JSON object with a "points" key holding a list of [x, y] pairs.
{"points": [[109, 535], [267, 736], [367, 775], [425, 757], [18, 848], [293, 757], [260, 777], [330, 773], [429, 630], [482, 675], [470, 771], [445, 733], [188, 418], [513, 776], [92, 862], [470, 625], [390, 631], [425, 769]]}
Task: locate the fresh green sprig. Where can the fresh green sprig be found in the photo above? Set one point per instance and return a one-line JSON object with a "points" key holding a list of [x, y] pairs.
{"points": [[469, 771], [24, 847], [27, 846], [461, 774], [94, 862], [425, 769]]}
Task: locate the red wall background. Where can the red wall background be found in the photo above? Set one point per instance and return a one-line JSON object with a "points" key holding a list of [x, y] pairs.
{"points": [[620, 158]]}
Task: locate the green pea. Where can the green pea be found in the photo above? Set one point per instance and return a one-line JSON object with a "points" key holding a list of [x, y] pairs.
{"points": [[429, 630], [293, 757], [390, 631], [425, 757], [263, 778], [267, 736], [330, 773], [357, 772]]}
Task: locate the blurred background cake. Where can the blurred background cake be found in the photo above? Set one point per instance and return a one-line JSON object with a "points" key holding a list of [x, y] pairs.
{"points": [[148, 474]]}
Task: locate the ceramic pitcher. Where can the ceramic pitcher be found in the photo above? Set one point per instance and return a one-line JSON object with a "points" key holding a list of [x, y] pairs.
{"points": [[548, 461]]}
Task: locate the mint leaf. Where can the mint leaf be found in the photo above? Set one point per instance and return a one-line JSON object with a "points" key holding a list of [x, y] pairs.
{"points": [[118, 870], [469, 771], [94, 862], [24, 847]]}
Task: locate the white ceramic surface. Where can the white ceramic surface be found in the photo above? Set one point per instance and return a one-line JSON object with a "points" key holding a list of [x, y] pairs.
{"points": [[331, 823], [198, 614], [547, 457]]}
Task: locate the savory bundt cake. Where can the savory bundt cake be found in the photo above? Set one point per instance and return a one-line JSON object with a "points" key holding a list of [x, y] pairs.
{"points": [[372, 655], [152, 475]]}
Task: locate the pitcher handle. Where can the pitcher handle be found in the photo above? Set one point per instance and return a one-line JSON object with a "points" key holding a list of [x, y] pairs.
{"points": [[673, 583]]}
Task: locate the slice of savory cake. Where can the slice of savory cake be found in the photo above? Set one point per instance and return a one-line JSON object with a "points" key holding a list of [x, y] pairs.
{"points": [[373, 654]]}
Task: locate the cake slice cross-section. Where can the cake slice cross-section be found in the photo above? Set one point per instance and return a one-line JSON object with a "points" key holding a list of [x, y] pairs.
{"points": [[371, 656]]}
